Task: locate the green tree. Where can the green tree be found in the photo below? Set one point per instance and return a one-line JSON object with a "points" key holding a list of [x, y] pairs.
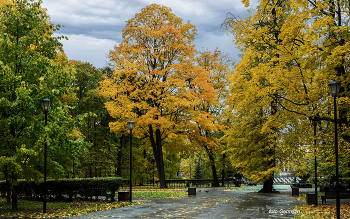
{"points": [[97, 159], [32, 67], [198, 171]]}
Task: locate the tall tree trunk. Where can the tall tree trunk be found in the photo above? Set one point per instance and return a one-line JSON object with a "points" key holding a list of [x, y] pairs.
{"points": [[270, 152], [212, 164], [144, 170], [158, 154], [270, 155], [161, 170], [8, 186], [14, 195], [8, 191], [268, 186]]}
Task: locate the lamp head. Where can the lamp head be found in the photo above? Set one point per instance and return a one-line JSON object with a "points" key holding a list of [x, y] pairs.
{"points": [[131, 125], [45, 103], [334, 87]]}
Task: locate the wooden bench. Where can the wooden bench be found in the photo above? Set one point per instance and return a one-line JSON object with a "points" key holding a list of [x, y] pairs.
{"points": [[343, 194]]}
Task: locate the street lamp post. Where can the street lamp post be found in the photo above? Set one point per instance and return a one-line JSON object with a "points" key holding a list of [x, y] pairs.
{"points": [[45, 103], [334, 87], [154, 169], [131, 127], [315, 120]]}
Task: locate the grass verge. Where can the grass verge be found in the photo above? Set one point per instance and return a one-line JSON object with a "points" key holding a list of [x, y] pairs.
{"points": [[156, 193], [34, 209]]}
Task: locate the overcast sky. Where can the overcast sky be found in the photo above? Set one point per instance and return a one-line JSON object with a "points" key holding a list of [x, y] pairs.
{"points": [[94, 27]]}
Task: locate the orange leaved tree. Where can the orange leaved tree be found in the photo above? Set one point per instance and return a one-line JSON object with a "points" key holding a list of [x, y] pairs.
{"points": [[218, 66], [156, 82]]}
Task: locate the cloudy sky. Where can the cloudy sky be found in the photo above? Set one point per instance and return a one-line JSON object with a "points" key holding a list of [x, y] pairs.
{"points": [[95, 26]]}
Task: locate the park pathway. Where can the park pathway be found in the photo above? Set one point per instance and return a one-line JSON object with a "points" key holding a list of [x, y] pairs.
{"points": [[217, 203]]}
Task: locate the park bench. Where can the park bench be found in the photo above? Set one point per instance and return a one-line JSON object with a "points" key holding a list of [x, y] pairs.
{"points": [[331, 194]]}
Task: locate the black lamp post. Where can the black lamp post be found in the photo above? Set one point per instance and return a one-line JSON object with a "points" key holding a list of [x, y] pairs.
{"points": [[315, 121], [334, 87], [131, 127], [190, 171], [45, 103], [154, 169]]}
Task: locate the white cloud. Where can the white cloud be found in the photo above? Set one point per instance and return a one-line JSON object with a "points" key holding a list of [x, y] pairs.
{"points": [[221, 42], [88, 49], [95, 26]]}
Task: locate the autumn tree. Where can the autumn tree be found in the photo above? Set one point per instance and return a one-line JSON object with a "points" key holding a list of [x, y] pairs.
{"points": [[156, 83], [218, 67], [32, 67], [290, 54], [330, 36], [107, 72], [255, 96]]}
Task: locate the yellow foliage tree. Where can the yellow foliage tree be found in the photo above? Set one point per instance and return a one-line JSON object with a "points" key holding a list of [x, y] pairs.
{"points": [[156, 83], [218, 66], [291, 51]]}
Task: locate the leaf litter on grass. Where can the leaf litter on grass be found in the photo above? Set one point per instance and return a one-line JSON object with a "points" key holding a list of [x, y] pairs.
{"points": [[33, 209], [322, 211]]}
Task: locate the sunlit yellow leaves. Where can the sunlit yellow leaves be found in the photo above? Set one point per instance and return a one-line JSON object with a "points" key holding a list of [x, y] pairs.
{"points": [[155, 81], [158, 83], [75, 135], [291, 51], [246, 3], [26, 151]]}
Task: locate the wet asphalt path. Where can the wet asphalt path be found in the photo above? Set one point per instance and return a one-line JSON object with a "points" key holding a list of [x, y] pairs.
{"points": [[217, 203]]}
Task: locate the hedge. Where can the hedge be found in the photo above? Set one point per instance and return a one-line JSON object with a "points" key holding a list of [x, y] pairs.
{"points": [[69, 188]]}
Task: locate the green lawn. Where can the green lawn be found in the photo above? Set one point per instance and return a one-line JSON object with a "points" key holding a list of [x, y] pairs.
{"points": [[157, 193], [34, 209]]}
